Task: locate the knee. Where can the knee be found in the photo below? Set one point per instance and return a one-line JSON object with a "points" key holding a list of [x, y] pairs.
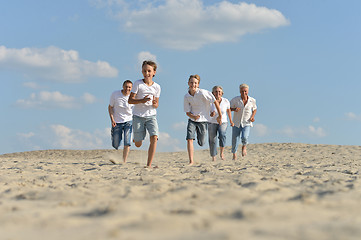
{"points": [[138, 144], [154, 139]]}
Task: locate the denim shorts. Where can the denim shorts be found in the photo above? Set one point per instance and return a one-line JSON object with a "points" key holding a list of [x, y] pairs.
{"points": [[120, 130], [143, 124], [197, 127]]}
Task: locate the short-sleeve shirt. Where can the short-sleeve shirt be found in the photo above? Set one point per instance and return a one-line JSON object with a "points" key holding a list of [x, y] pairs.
{"points": [[224, 105], [141, 90], [241, 118], [123, 111], [199, 104]]}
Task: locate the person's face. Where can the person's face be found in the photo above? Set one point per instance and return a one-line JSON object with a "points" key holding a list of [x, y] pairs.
{"points": [[127, 88], [148, 71], [193, 84], [218, 93], [244, 92]]}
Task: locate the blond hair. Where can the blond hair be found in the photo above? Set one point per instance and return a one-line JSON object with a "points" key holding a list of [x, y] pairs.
{"points": [[243, 85], [215, 87], [196, 76]]}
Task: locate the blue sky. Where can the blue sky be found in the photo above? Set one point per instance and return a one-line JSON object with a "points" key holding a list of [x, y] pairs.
{"points": [[61, 60]]}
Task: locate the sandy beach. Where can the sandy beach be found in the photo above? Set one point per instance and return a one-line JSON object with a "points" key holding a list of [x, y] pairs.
{"points": [[279, 191]]}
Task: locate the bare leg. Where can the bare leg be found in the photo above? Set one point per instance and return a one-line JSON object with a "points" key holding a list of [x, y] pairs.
{"points": [[221, 149], [190, 149], [125, 153], [244, 150], [213, 158], [234, 156], [151, 149]]}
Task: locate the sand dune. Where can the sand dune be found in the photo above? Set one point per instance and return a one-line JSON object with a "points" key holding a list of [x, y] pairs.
{"points": [[279, 191]]}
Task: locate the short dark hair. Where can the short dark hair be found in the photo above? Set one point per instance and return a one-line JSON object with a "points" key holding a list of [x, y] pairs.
{"points": [[127, 81]]}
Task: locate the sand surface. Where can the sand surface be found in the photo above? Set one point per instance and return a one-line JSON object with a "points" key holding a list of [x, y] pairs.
{"points": [[279, 191]]}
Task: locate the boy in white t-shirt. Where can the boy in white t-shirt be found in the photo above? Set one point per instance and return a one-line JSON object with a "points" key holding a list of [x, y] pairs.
{"points": [[120, 112], [145, 97], [197, 104]]}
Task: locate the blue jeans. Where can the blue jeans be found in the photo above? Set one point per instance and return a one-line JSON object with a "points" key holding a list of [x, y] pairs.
{"points": [[213, 129], [238, 132], [118, 131], [197, 127]]}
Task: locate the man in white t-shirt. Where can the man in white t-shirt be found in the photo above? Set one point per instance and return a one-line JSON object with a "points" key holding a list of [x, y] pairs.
{"points": [[145, 97], [245, 109], [120, 112]]}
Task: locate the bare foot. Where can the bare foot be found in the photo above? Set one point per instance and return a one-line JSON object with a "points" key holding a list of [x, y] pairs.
{"points": [[151, 167], [244, 151], [213, 159], [234, 156], [222, 156], [190, 163]]}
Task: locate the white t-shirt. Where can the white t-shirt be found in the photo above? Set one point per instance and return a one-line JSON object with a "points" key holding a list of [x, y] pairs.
{"points": [[141, 90], [241, 118], [123, 111], [199, 104], [224, 105]]}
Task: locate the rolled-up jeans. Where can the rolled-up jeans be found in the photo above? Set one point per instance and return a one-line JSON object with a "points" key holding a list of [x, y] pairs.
{"points": [[213, 129], [237, 133]]}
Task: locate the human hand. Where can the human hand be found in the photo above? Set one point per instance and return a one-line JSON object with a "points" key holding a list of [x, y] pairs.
{"points": [[252, 119], [213, 114], [146, 99], [196, 117], [114, 124], [237, 109], [232, 124], [219, 120]]}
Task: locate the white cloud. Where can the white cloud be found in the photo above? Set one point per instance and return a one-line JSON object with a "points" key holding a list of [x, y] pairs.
{"points": [[32, 85], [189, 24], [166, 143], [316, 131], [26, 135], [260, 129], [57, 136], [89, 98], [51, 100], [179, 126], [316, 119], [142, 56], [67, 138], [353, 116], [53, 64], [310, 131]]}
